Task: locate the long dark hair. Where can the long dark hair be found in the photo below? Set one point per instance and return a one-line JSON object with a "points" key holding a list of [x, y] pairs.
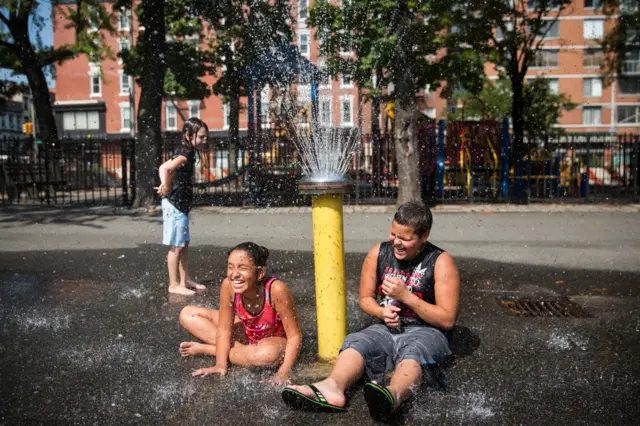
{"points": [[190, 128]]}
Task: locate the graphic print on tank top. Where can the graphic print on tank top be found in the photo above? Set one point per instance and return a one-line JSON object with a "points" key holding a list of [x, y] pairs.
{"points": [[417, 273]]}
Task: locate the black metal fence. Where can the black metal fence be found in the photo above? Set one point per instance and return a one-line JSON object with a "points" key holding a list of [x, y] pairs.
{"points": [[459, 162]]}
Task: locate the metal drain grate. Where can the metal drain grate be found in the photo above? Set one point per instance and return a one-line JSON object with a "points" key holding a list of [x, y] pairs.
{"points": [[542, 308]]}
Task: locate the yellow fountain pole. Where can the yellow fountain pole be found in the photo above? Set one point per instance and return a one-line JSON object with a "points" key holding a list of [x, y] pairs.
{"points": [[328, 249]]}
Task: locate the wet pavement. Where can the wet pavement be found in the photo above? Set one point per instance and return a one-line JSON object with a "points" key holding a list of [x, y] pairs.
{"points": [[89, 336]]}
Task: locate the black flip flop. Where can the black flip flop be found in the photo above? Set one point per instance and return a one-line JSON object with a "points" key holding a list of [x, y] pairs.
{"points": [[380, 401], [300, 401]]}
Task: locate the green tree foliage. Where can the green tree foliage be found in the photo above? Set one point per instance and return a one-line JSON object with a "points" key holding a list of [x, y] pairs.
{"points": [[397, 41], [542, 107], [622, 44], [24, 53], [510, 34]]}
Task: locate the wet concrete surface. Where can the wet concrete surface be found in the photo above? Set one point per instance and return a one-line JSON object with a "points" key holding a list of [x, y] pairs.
{"points": [[91, 337]]}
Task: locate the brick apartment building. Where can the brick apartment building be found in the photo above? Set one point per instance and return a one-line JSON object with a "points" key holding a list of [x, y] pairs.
{"points": [[94, 100]]}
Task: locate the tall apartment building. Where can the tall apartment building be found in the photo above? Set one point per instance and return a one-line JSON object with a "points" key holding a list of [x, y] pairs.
{"points": [[94, 99]]}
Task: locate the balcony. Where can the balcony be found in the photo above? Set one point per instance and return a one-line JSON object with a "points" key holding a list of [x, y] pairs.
{"points": [[631, 66]]}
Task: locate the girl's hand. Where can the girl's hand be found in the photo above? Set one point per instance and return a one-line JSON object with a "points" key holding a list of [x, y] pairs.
{"points": [[210, 370], [279, 379], [162, 190]]}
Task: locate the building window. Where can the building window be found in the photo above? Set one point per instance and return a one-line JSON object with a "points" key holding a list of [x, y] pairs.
{"points": [[545, 59], [629, 85], [346, 47], [324, 75], [553, 84], [304, 93], [346, 111], [549, 29], [124, 19], [226, 112], [303, 10], [303, 43], [592, 4], [631, 62], [81, 120], [194, 108], [346, 81], [430, 112], [125, 84], [538, 4], [593, 28], [171, 117], [93, 18], [592, 87], [325, 111], [125, 117], [264, 107], [628, 114], [591, 115], [500, 34], [123, 44], [592, 57]]}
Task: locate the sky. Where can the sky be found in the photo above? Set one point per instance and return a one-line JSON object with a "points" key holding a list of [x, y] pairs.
{"points": [[46, 33]]}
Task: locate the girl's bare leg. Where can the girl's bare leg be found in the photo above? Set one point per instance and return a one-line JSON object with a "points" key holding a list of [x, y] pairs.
{"points": [[203, 324], [268, 352], [175, 266]]}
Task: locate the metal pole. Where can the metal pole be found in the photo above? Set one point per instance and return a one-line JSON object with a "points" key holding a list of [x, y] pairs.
{"points": [[440, 165]]}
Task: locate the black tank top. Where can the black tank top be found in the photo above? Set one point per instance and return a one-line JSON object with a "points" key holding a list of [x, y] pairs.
{"points": [[417, 273], [181, 192]]}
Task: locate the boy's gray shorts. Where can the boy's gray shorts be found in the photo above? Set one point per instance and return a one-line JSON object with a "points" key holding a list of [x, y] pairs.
{"points": [[383, 350]]}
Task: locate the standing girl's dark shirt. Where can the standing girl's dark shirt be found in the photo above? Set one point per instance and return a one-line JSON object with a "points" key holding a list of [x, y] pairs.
{"points": [[181, 193]]}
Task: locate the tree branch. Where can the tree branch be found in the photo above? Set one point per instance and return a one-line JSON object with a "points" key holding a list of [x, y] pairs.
{"points": [[52, 56], [4, 19]]}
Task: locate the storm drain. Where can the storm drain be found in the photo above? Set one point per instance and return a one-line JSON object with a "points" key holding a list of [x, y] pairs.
{"points": [[542, 308]]}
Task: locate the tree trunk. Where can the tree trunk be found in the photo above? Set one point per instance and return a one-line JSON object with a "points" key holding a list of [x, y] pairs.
{"points": [[234, 131], [407, 158], [405, 126], [46, 124], [149, 147], [517, 117]]}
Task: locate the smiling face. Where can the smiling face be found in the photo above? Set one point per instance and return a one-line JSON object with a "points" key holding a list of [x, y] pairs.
{"points": [[406, 243], [242, 272]]}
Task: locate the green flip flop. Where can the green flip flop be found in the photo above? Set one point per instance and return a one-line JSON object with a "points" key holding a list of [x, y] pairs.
{"points": [[300, 401], [380, 401]]}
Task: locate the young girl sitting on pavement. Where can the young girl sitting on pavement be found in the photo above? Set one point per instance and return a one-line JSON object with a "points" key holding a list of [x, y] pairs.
{"points": [[256, 325]]}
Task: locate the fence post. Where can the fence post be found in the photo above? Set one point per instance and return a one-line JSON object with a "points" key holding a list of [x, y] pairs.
{"points": [[132, 168], [440, 165], [588, 161], [124, 154], [634, 168], [584, 185], [504, 157]]}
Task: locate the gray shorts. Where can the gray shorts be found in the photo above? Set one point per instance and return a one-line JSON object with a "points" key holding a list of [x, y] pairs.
{"points": [[383, 350]]}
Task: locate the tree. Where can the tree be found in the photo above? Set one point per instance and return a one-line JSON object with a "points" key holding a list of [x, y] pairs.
{"points": [[622, 44], [167, 56], [245, 32], [511, 35], [542, 107], [397, 41], [24, 55]]}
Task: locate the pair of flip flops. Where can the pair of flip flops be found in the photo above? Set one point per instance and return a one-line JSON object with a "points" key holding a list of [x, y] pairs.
{"points": [[380, 401]]}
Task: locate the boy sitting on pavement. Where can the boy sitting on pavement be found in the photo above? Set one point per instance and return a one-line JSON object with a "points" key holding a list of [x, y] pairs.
{"points": [[419, 286]]}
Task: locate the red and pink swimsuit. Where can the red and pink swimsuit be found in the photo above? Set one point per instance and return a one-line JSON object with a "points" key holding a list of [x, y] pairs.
{"points": [[266, 324]]}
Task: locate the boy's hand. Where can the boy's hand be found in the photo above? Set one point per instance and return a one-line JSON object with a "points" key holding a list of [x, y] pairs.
{"points": [[395, 288], [279, 379], [391, 317], [210, 370]]}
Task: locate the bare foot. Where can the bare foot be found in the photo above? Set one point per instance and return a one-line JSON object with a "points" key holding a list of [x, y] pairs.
{"points": [[195, 286], [328, 388], [196, 349], [178, 289]]}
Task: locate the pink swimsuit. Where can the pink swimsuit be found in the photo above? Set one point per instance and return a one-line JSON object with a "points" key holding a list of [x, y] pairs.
{"points": [[266, 324]]}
